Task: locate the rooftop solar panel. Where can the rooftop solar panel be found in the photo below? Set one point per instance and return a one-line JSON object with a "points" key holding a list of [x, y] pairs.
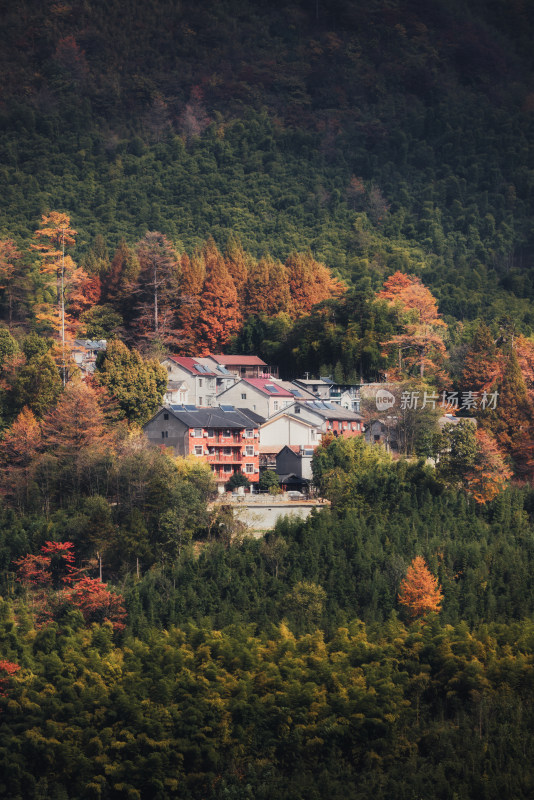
{"points": [[227, 408], [271, 388]]}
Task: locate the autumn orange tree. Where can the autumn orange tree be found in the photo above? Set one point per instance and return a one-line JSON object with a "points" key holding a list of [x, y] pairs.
{"points": [[267, 288], [310, 282], [524, 349], [510, 421], [193, 274], [481, 363], [220, 312], [18, 450], [238, 263], [419, 591], [76, 422], [420, 339], [123, 272], [489, 473], [55, 237]]}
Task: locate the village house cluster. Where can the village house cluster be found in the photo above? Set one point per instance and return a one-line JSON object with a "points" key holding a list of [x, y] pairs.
{"points": [[237, 415]]}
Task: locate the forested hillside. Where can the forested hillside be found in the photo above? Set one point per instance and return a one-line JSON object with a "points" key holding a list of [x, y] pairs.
{"points": [[341, 188], [380, 137]]}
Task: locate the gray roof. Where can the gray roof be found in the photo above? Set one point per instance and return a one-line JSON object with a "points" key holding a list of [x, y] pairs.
{"points": [[257, 419], [91, 344], [195, 417], [332, 411], [291, 479]]}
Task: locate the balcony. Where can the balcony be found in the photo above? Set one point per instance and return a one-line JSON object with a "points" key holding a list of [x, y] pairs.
{"points": [[216, 458], [227, 441]]}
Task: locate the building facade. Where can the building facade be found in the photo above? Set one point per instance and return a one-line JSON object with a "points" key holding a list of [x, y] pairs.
{"points": [[328, 417], [200, 380], [243, 366], [226, 439]]}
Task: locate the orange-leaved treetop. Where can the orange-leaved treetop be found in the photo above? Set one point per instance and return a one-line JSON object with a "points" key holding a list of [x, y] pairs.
{"points": [[55, 237], [419, 318], [490, 472], [310, 282], [420, 592]]}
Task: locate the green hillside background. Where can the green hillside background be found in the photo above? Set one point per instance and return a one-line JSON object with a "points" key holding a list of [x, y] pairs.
{"points": [[380, 136]]}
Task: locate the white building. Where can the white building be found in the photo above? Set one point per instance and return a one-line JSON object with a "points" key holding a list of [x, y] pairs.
{"points": [[201, 381], [265, 396], [289, 429]]}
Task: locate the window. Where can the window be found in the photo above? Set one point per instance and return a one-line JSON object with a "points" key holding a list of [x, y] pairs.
{"points": [[200, 383], [297, 410], [249, 468], [249, 450], [312, 435], [165, 416], [275, 405], [164, 434], [227, 468], [197, 433], [210, 432], [344, 426], [200, 401], [249, 433], [243, 395], [227, 451], [198, 450]]}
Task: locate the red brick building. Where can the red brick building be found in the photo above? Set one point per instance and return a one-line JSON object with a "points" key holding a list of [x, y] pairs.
{"points": [[224, 437]]}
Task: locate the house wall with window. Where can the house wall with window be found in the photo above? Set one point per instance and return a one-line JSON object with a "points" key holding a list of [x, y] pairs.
{"points": [[202, 387], [333, 419], [288, 429], [296, 461], [166, 430], [258, 396], [228, 442]]}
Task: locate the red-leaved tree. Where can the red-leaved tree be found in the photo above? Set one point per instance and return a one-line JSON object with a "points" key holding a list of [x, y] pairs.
{"points": [[7, 670], [53, 582]]}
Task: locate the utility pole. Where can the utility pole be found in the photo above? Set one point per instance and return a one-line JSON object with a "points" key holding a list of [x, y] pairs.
{"points": [[63, 307]]}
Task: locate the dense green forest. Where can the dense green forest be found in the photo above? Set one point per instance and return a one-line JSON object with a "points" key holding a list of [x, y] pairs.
{"points": [[379, 137], [341, 188], [283, 665]]}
